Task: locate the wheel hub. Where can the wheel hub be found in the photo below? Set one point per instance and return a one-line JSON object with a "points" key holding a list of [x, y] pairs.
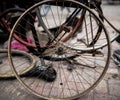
{"points": [[60, 51]]}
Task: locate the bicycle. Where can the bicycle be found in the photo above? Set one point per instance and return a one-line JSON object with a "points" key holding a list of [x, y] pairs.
{"points": [[80, 63]]}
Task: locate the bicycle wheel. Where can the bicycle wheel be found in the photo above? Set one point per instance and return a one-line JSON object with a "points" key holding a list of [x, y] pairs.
{"points": [[62, 45], [19, 57]]}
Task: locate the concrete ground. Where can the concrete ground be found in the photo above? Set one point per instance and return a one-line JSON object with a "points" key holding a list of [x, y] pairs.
{"points": [[108, 88]]}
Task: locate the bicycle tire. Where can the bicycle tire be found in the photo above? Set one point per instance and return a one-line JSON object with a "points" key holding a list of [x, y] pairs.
{"points": [[87, 67], [18, 56]]}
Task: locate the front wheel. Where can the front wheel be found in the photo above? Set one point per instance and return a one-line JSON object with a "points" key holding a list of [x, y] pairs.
{"points": [[79, 68]]}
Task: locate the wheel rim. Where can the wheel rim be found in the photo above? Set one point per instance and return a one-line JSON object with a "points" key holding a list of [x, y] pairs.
{"points": [[68, 83], [5, 70]]}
